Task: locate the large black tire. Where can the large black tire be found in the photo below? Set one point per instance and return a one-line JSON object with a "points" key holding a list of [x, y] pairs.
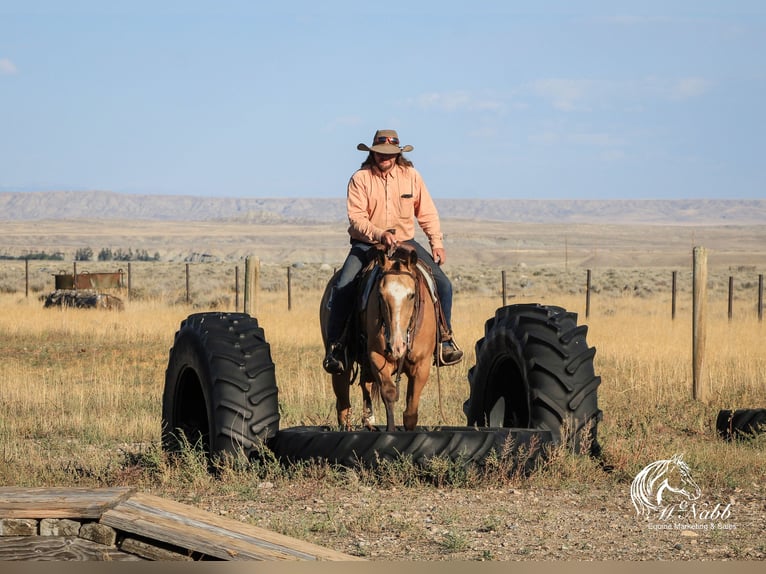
{"points": [[369, 448], [741, 424], [220, 386], [534, 369]]}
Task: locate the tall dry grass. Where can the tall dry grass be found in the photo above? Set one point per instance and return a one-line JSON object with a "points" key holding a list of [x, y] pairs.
{"points": [[81, 390]]}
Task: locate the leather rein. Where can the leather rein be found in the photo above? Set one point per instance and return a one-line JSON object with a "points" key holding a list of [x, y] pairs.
{"points": [[411, 327]]}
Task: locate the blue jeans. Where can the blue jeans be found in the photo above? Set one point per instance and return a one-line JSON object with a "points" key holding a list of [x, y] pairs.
{"points": [[342, 300]]}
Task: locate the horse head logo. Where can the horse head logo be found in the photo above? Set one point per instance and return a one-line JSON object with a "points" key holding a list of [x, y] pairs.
{"points": [[659, 479]]}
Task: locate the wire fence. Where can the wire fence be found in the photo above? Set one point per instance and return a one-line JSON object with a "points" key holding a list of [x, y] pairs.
{"points": [[221, 284]]}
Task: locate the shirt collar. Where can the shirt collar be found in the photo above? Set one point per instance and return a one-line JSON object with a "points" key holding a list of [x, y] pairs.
{"points": [[392, 174]]}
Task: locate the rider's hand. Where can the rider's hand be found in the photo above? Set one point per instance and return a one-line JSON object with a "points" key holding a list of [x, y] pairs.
{"points": [[388, 239], [440, 256]]}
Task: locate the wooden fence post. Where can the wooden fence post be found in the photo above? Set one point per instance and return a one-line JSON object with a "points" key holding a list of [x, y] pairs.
{"points": [[699, 389], [289, 290], [502, 275], [731, 297], [252, 268], [673, 297], [187, 284], [236, 288]]}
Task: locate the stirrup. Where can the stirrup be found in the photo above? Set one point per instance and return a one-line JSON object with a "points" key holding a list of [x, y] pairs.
{"points": [[455, 357]]}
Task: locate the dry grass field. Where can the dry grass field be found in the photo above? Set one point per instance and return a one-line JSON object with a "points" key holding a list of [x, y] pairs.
{"points": [[80, 390]]}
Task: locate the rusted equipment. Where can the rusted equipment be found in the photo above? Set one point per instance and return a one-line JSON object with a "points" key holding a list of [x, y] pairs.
{"points": [[86, 280], [83, 299]]}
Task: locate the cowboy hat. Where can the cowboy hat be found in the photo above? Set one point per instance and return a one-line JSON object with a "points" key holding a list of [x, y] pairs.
{"points": [[385, 141]]}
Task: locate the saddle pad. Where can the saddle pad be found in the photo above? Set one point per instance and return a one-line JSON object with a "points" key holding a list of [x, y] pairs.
{"points": [[372, 276], [425, 271]]}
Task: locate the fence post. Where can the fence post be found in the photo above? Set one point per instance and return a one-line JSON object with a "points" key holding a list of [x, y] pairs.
{"points": [[699, 390], [587, 296], [187, 284], [236, 288], [26, 277], [673, 297], [289, 290], [760, 297], [130, 279], [502, 275], [252, 268], [74, 275], [731, 297]]}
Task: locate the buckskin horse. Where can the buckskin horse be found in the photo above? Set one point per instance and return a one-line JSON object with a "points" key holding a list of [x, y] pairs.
{"points": [[392, 332]]}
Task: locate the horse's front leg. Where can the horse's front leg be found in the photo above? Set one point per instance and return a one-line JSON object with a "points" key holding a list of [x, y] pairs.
{"points": [[415, 383], [340, 386], [389, 392], [368, 416]]}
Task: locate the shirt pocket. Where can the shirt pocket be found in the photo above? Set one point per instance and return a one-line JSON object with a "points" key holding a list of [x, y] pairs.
{"points": [[407, 206]]}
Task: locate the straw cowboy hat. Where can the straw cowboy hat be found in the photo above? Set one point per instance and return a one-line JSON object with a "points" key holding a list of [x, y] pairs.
{"points": [[385, 141]]}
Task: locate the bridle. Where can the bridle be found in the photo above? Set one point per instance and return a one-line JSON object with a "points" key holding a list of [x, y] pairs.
{"points": [[386, 320]]}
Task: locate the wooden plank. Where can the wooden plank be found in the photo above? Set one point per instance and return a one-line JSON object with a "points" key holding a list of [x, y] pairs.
{"points": [[200, 531], [152, 551], [17, 502], [59, 548]]}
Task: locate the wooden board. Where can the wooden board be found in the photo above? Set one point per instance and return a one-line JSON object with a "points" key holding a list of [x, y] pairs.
{"points": [[17, 502], [199, 531], [25, 548]]}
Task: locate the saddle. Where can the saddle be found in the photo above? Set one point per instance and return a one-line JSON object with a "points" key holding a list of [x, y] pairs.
{"points": [[366, 281]]}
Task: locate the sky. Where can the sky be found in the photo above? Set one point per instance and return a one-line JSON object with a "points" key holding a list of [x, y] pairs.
{"points": [[501, 99]]}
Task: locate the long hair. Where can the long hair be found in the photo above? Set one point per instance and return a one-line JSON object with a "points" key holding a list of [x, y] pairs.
{"points": [[400, 160]]}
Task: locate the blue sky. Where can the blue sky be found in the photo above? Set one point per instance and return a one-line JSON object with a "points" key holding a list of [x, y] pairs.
{"points": [[501, 99]]}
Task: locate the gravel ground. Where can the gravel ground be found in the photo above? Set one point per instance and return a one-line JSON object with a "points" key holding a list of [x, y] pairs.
{"points": [[508, 524]]}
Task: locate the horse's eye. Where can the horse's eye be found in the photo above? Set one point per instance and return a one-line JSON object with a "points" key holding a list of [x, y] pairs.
{"points": [[411, 296]]}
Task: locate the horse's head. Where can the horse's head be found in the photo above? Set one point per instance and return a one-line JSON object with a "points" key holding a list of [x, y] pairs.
{"points": [[397, 289], [678, 479], [658, 479]]}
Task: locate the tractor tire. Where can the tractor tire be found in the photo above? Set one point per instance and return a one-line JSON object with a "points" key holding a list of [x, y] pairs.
{"points": [[370, 448], [534, 369], [220, 387], [741, 424]]}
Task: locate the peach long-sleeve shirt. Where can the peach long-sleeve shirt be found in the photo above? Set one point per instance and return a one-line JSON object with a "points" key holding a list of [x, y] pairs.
{"points": [[378, 202]]}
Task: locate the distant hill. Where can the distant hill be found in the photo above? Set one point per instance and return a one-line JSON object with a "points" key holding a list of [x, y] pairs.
{"points": [[69, 205]]}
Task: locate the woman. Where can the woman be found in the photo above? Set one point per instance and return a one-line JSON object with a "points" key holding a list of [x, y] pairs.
{"points": [[384, 198]]}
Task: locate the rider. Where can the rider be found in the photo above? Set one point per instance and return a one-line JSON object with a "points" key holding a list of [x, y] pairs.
{"points": [[384, 198]]}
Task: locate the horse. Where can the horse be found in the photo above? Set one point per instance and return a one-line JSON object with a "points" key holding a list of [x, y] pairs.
{"points": [[393, 332], [659, 477]]}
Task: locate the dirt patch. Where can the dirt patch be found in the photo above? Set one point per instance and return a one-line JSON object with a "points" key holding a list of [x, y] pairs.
{"points": [[514, 523]]}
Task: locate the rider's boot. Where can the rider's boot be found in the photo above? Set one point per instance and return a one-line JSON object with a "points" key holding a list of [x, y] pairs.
{"points": [[449, 352], [334, 360]]}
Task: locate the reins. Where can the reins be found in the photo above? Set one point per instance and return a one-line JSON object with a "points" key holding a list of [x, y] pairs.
{"points": [[411, 336], [410, 333]]}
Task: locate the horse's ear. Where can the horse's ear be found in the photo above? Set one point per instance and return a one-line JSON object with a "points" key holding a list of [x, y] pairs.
{"points": [[380, 256], [413, 258]]}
